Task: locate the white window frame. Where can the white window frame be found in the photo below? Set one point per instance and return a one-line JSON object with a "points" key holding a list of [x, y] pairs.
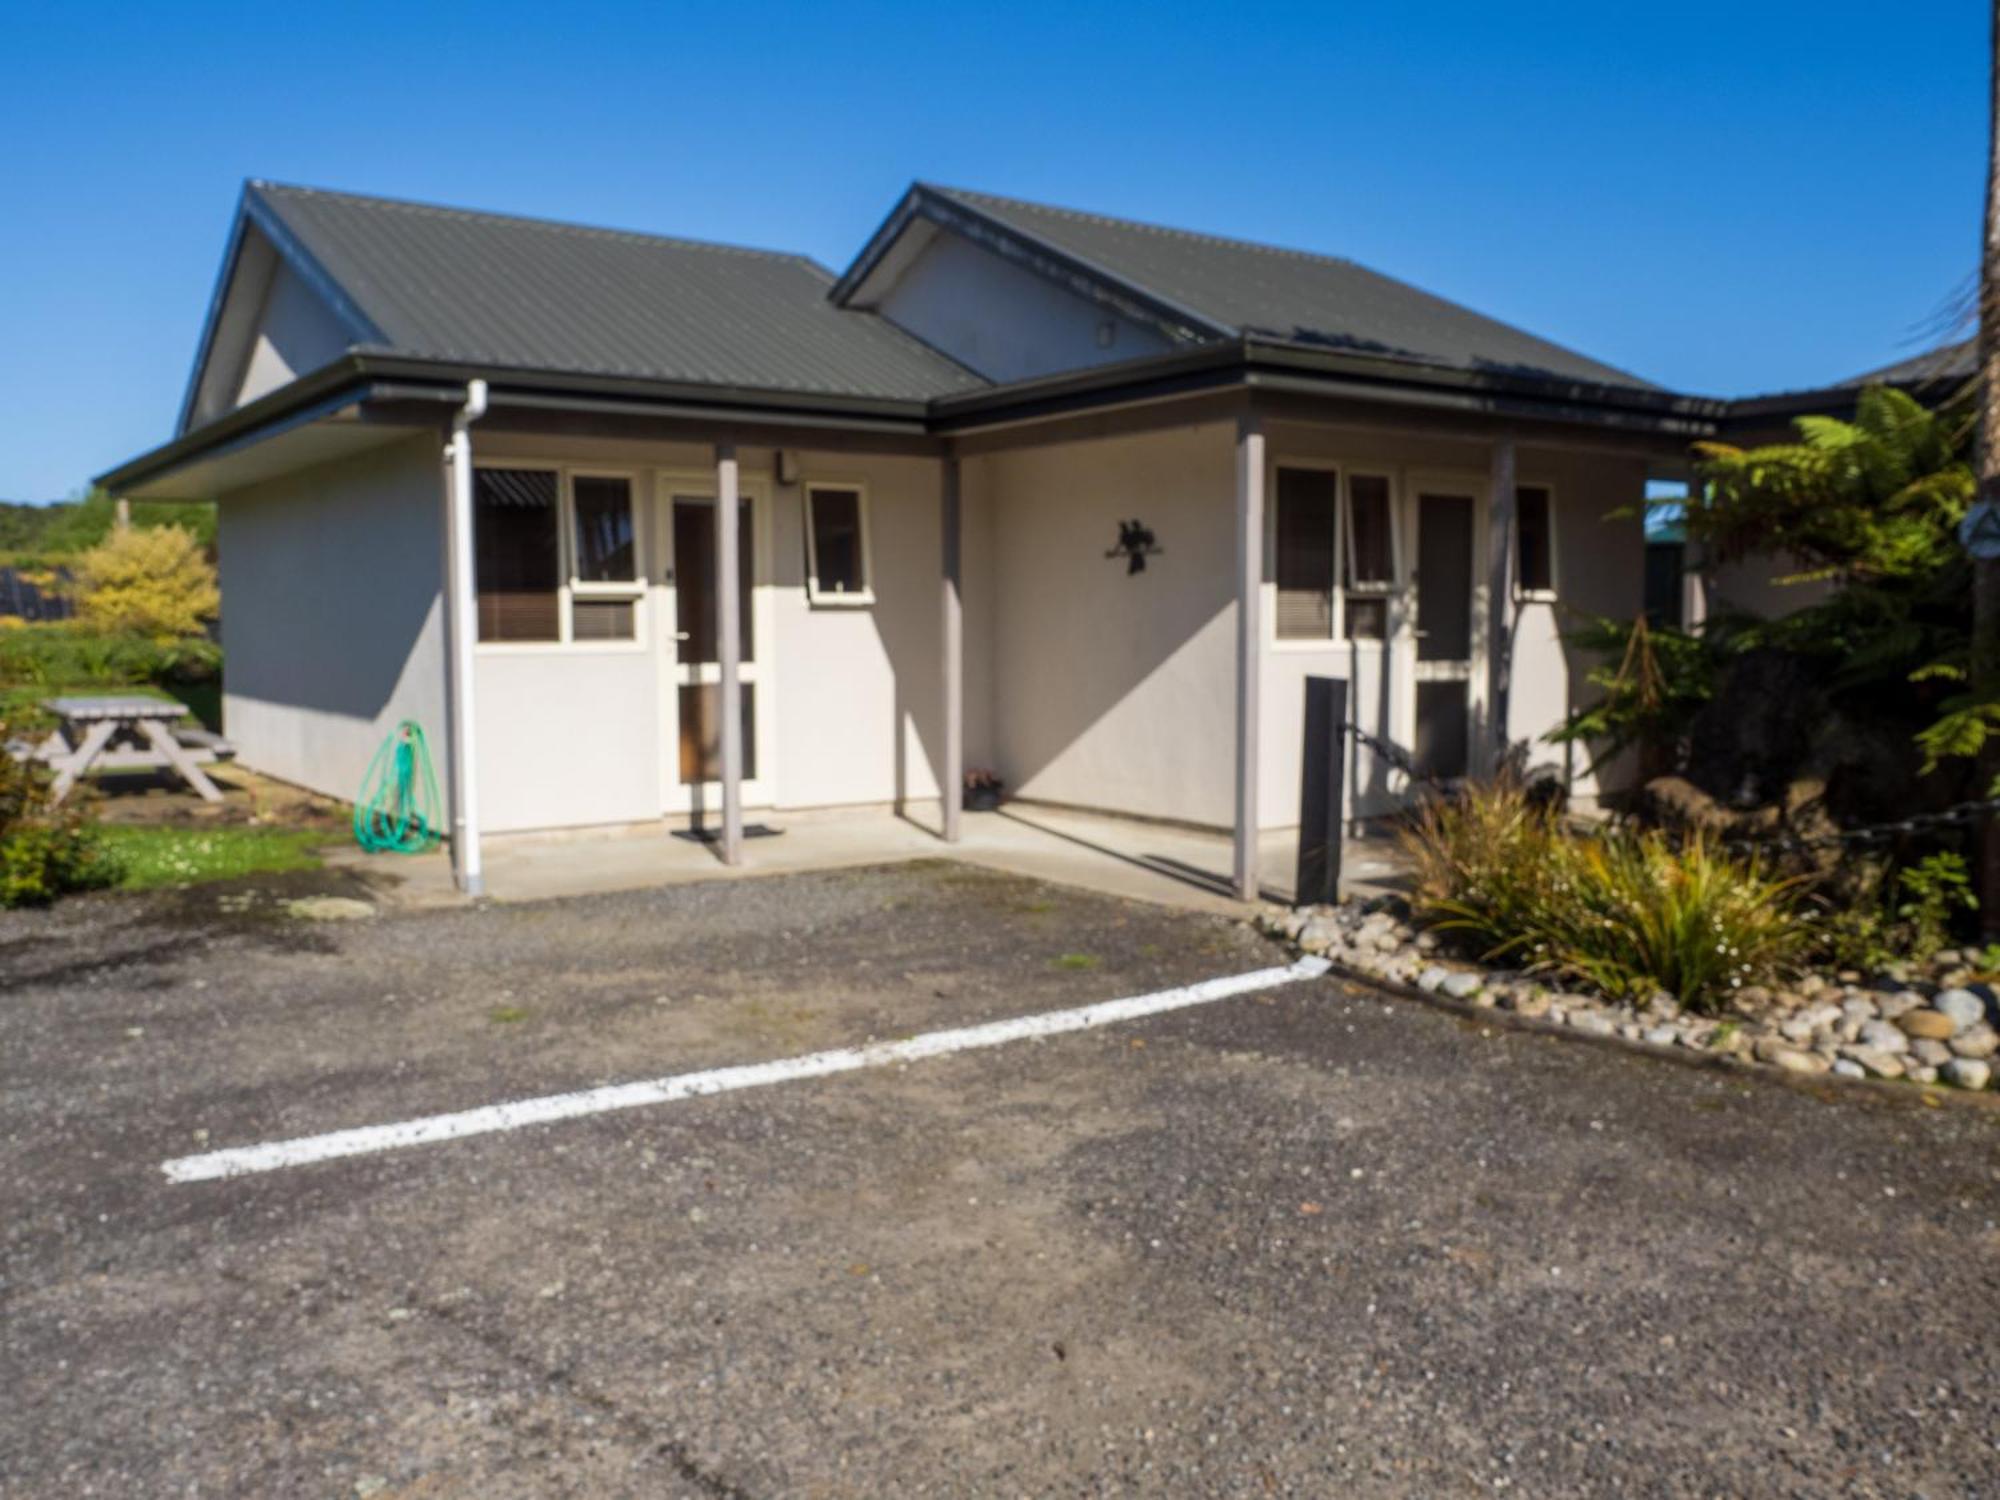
{"points": [[1522, 593], [1345, 472], [860, 598], [1386, 589], [569, 587], [1338, 469]]}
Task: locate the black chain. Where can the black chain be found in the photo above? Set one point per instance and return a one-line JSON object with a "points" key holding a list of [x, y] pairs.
{"points": [[1877, 833]]}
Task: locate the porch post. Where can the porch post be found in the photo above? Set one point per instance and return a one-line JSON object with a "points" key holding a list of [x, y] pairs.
{"points": [[729, 650], [951, 638], [1249, 641], [1502, 503]]}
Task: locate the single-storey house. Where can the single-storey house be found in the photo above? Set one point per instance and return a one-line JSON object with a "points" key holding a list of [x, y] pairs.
{"points": [[648, 529]]}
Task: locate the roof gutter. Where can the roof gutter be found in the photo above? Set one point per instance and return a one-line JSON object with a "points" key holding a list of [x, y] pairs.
{"points": [[1256, 364], [1248, 364]]}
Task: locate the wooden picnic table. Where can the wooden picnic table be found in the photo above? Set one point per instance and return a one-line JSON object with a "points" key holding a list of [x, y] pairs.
{"points": [[125, 732]]}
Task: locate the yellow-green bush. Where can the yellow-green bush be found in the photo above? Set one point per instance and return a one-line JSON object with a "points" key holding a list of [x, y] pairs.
{"points": [[1626, 913], [151, 581]]}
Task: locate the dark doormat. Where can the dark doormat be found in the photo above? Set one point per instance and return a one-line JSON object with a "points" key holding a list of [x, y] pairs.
{"points": [[714, 835]]}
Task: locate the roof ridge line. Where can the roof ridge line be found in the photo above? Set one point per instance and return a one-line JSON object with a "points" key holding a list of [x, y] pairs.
{"points": [[1169, 231], [535, 221]]}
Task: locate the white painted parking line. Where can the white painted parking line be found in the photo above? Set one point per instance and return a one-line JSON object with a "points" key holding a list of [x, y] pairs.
{"points": [[238, 1161]]}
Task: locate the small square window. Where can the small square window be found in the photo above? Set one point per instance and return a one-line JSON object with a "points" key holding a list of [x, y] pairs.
{"points": [[1534, 530], [604, 541], [837, 544]]}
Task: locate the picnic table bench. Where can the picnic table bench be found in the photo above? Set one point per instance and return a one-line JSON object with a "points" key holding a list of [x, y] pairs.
{"points": [[124, 733]]}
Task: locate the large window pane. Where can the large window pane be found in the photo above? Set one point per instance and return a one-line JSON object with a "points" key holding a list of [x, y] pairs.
{"points": [[604, 546], [1371, 557], [838, 563], [1444, 577], [516, 557], [1532, 524], [694, 576], [1307, 518]]}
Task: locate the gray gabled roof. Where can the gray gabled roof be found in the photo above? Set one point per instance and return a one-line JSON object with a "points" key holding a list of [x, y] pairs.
{"points": [[486, 289], [1225, 288]]}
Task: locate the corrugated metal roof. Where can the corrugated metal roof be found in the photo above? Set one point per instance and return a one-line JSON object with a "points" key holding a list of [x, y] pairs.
{"points": [[1289, 295], [1946, 363], [486, 289]]}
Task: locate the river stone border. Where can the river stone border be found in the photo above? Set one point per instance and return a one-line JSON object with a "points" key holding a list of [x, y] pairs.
{"points": [[1935, 1022]]}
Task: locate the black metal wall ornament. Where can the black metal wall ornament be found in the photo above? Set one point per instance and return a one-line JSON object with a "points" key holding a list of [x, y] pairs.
{"points": [[1135, 545]]}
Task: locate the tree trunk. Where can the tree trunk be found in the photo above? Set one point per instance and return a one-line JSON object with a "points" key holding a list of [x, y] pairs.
{"points": [[1986, 580]]}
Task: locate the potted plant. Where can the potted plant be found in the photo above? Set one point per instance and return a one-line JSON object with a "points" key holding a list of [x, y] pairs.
{"points": [[982, 790]]}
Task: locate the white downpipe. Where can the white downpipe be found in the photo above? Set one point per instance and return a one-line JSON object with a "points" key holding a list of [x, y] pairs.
{"points": [[464, 633]]}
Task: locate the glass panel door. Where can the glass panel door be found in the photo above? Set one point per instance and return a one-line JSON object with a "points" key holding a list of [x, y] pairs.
{"points": [[695, 738], [1444, 632]]}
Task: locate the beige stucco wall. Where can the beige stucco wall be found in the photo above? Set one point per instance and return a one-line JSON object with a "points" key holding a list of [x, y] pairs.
{"points": [[850, 707], [1115, 691], [1004, 320], [332, 620]]}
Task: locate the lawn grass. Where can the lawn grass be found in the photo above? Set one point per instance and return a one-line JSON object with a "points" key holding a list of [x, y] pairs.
{"points": [[153, 857]]}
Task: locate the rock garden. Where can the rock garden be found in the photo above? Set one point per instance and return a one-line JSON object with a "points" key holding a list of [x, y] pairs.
{"points": [[1929, 1023], [1789, 877]]}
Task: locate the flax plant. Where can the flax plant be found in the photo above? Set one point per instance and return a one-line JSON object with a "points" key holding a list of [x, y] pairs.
{"points": [[1628, 914]]}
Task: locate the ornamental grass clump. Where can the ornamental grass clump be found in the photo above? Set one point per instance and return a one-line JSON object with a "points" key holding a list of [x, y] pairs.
{"points": [[1625, 913]]}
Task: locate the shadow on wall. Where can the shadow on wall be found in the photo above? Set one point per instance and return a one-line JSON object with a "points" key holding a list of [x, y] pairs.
{"points": [[1114, 688], [331, 582]]}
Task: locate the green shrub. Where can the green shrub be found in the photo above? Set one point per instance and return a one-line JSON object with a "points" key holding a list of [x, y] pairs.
{"points": [[45, 851], [1626, 913], [1873, 914], [38, 661]]}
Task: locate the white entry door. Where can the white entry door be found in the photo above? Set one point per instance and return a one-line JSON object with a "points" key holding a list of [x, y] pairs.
{"points": [[1446, 547], [694, 690]]}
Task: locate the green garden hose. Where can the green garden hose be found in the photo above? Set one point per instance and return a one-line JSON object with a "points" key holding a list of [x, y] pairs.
{"points": [[399, 810]]}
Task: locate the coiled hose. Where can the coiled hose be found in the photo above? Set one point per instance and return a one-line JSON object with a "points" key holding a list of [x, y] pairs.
{"points": [[399, 810]]}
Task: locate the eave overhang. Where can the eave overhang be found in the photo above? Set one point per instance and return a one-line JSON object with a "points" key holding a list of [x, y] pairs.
{"points": [[386, 389]]}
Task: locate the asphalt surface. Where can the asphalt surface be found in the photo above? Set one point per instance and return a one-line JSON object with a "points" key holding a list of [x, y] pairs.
{"points": [[1314, 1242]]}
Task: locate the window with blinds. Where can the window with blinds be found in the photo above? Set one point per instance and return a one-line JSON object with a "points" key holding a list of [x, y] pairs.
{"points": [[1308, 520]]}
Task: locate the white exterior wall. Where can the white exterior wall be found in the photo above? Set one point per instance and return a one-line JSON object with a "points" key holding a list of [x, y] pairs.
{"points": [[1600, 562], [332, 621], [849, 708], [296, 333], [1114, 691], [1005, 321], [1085, 685]]}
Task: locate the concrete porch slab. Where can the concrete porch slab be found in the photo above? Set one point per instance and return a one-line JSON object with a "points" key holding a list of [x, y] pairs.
{"points": [[1167, 865]]}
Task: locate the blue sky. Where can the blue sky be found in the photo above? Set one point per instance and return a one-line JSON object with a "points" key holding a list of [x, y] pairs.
{"points": [[1723, 198]]}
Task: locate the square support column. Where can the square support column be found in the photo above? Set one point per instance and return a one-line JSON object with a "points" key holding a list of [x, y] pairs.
{"points": [[729, 649], [1249, 642], [951, 638], [1502, 503]]}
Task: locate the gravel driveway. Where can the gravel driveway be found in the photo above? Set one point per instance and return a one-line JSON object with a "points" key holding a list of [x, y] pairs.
{"points": [[1311, 1242]]}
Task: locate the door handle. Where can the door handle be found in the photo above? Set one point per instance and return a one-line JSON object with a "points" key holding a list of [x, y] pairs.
{"points": [[682, 635]]}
